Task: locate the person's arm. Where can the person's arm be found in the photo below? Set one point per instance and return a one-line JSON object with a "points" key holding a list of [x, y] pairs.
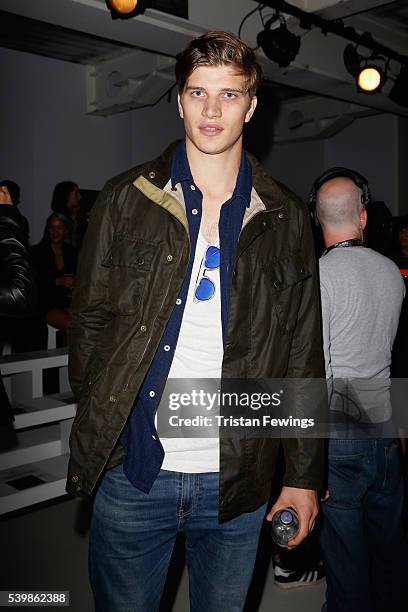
{"points": [[18, 292], [90, 310], [304, 457]]}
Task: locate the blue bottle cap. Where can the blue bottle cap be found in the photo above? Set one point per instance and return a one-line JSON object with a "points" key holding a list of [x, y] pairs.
{"points": [[286, 517]]}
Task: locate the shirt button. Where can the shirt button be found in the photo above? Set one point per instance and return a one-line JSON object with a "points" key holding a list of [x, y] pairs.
{"points": [[166, 347], [192, 187], [112, 399], [178, 301], [169, 257], [152, 393], [194, 211], [143, 328], [152, 174]]}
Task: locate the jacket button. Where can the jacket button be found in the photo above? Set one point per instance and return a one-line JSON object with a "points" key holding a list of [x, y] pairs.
{"points": [[169, 257], [281, 215], [112, 399], [277, 284], [75, 478], [143, 328], [302, 270], [140, 261], [152, 174]]}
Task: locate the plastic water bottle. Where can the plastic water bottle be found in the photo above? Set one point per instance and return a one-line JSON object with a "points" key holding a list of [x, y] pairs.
{"points": [[284, 526]]}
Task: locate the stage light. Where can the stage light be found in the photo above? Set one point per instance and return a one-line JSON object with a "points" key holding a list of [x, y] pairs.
{"points": [[399, 92], [280, 45], [368, 73], [123, 6], [370, 79]]}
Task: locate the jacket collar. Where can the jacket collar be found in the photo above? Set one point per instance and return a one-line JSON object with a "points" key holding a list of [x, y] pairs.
{"points": [[266, 191]]}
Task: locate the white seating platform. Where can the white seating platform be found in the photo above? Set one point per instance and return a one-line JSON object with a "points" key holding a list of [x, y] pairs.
{"points": [[35, 470]]}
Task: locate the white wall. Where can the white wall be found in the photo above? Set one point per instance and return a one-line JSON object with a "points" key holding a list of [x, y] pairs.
{"points": [[296, 164], [47, 136], [370, 146], [376, 146]]}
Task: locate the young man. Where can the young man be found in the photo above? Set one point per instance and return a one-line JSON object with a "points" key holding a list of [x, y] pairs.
{"points": [[363, 544], [195, 265]]}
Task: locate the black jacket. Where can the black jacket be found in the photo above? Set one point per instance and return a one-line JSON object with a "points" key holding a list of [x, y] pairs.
{"points": [[49, 294], [17, 295]]}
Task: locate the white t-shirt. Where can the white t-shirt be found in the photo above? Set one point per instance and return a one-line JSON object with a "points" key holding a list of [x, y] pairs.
{"points": [[199, 354]]}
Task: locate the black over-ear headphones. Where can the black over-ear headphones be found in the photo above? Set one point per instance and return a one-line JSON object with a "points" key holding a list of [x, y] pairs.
{"points": [[332, 173]]}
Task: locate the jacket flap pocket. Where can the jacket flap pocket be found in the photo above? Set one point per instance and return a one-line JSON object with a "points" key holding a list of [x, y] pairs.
{"points": [[288, 270], [130, 252]]}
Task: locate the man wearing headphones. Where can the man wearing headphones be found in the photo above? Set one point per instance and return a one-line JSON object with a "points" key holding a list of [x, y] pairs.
{"points": [[361, 294]]}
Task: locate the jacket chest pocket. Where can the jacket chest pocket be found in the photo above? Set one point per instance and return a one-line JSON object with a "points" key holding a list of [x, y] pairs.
{"points": [[286, 275], [129, 262]]}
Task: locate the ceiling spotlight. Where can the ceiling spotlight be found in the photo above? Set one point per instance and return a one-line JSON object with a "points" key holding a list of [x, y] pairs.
{"points": [[280, 45], [370, 79], [368, 73], [123, 6], [399, 92]]}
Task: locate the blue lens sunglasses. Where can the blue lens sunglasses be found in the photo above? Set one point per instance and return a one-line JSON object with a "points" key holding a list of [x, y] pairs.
{"points": [[205, 288]]}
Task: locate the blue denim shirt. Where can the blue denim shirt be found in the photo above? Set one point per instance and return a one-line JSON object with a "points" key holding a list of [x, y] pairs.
{"points": [[144, 452]]}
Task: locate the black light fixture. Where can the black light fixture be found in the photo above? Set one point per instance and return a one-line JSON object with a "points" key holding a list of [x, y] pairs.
{"points": [[399, 92], [280, 45], [370, 76]]}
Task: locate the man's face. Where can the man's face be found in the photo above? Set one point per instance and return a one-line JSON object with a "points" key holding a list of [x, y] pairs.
{"points": [[403, 238], [73, 201], [214, 107]]}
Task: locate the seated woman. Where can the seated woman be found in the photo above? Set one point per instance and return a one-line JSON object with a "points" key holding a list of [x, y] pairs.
{"points": [[55, 263]]}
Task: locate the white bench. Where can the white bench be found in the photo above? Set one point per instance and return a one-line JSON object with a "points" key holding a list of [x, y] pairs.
{"points": [[35, 470]]}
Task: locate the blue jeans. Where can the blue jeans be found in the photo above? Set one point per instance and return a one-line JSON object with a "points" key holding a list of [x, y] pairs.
{"points": [[363, 545], [133, 534]]}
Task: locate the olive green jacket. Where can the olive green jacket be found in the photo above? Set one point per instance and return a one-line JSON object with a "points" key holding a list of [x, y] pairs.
{"points": [[131, 267]]}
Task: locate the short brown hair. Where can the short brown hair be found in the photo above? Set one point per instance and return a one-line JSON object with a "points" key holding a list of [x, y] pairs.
{"points": [[216, 49]]}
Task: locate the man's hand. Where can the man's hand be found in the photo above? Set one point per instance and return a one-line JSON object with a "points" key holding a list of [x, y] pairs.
{"points": [[305, 504], [5, 197]]}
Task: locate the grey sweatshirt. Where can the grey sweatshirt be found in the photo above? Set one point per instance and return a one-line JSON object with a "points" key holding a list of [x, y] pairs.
{"points": [[361, 293]]}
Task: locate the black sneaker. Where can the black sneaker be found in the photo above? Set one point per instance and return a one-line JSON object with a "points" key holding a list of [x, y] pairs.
{"points": [[290, 579]]}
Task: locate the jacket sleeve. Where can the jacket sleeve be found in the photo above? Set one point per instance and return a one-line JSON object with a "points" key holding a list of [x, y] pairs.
{"points": [[18, 293], [90, 311], [305, 457]]}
